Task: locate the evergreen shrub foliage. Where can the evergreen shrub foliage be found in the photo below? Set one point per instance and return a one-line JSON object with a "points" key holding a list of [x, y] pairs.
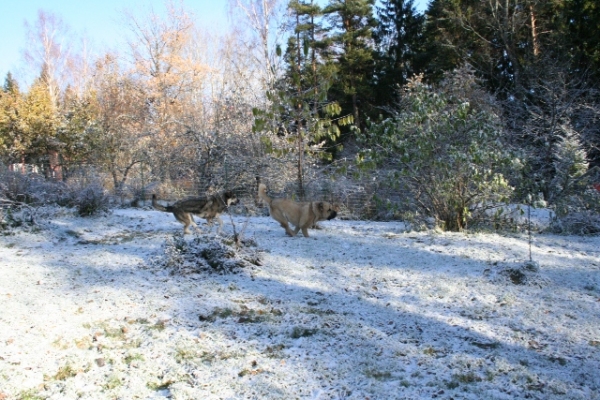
{"points": [[443, 145]]}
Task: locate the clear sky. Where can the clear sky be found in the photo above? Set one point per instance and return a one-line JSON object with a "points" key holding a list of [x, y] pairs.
{"points": [[101, 21]]}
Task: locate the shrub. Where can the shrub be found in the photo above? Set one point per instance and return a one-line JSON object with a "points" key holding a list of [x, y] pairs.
{"points": [[33, 189], [91, 200], [443, 145]]}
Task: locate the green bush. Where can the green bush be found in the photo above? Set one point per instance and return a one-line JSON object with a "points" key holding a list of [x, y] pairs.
{"points": [[444, 146]]}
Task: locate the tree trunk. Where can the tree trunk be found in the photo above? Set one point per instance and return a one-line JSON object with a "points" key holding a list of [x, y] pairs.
{"points": [[534, 34]]}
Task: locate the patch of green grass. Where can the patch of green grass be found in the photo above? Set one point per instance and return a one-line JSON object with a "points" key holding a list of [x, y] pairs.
{"points": [[160, 385], [159, 326], [299, 332], [133, 357], [114, 333], [61, 343], [141, 321], [83, 343], [452, 385], [73, 233], [275, 351], [247, 371], [252, 316], [490, 345], [245, 315], [29, 395], [186, 354], [430, 351], [217, 313], [112, 382], [469, 377], [134, 344], [318, 311], [378, 375], [562, 361], [64, 373]]}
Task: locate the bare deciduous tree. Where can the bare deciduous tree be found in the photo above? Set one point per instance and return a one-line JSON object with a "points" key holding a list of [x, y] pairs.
{"points": [[49, 50], [263, 23], [121, 141], [169, 74]]}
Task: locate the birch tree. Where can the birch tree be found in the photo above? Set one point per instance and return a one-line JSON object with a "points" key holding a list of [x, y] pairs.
{"points": [[261, 30]]}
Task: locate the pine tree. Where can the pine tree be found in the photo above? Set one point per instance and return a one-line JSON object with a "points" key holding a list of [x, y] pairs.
{"points": [[352, 24], [399, 47], [570, 164], [301, 113], [581, 24], [446, 43]]}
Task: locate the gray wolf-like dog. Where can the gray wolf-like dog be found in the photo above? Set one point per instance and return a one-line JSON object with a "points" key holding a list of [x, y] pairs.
{"points": [[209, 208], [302, 215]]}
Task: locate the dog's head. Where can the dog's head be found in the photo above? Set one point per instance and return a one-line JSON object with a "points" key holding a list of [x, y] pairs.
{"points": [[230, 198], [325, 210]]}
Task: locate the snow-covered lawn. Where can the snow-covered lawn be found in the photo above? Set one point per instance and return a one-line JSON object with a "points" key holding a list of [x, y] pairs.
{"points": [[361, 310]]}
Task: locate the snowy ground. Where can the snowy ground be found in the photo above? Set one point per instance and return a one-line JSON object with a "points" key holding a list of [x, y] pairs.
{"points": [[361, 310]]}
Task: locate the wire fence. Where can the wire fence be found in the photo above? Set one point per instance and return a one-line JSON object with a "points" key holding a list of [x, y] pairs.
{"points": [[358, 197]]}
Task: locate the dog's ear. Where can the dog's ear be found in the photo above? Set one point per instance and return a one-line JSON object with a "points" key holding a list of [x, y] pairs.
{"points": [[321, 206]]}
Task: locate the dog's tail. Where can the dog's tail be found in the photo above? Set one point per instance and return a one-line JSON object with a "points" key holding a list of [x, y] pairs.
{"points": [[160, 207], [262, 193]]}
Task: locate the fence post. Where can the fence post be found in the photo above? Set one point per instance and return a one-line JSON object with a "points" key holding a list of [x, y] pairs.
{"points": [[226, 173], [142, 180]]}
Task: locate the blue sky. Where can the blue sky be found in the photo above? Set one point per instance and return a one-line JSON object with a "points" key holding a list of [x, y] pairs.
{"points": [[101, 21]]}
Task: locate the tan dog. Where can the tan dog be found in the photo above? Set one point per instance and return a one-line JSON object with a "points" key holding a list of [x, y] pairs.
{"points": [[209, 208], [302, 215]]}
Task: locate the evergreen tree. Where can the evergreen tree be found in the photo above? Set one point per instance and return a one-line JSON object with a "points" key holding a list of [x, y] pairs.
{"points": [[501, 40], [352, 25], [399, 47], [441, 35], [42, 120], [80, 127], [10, 84], [14, 140], [570, 164], [581, 24], [301, 113]]}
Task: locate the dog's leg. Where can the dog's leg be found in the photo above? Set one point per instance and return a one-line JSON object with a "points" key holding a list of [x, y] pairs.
{"points": [[283, 221], [184, 218], [188, 221], [195, 225], [303, 224], [288, 231], [220, 222]]}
